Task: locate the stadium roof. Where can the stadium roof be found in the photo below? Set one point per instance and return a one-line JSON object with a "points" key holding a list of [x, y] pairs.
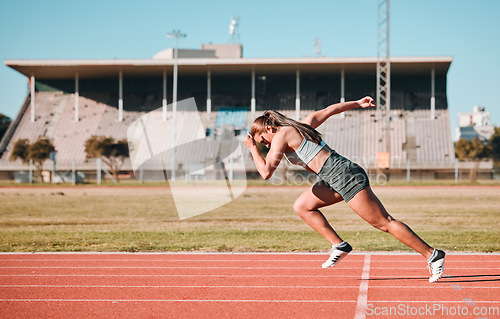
{"points": [[66, 69]]}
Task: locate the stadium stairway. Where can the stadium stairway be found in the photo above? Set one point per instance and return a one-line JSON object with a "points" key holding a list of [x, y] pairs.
{"points": [[13, 126]]}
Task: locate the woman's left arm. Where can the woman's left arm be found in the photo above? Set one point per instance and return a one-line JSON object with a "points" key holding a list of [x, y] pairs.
{"points": [[317, 118], [267, 166]]}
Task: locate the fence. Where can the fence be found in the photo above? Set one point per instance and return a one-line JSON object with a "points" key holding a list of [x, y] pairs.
{"points": [[95, 171]]}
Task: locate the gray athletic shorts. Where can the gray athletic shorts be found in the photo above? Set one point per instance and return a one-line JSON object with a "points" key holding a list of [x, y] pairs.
{"points": [[343, 176]]}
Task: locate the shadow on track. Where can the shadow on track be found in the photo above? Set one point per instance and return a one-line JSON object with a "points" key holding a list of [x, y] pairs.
{"points": [[445, 279]]}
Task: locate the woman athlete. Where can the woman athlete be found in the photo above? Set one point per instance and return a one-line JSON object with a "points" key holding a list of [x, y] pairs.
{"points": [[340, 179]]}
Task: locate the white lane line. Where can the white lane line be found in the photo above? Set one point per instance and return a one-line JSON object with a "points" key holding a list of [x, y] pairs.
{"points": [[432, 301], [447, 268], [194, 253], [225, 267], [234, 286], [171, 260], [350, 260], [226, 300], [186, 275], [175, 300], [166, 267], [224, 276], [217, 267], [175, 260], [178, 286], [232, 260], [363, 290], [453, 261]]}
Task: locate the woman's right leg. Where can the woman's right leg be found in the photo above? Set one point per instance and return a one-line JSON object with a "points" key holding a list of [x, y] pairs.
{"points": [[368, 206], [307, 205]]}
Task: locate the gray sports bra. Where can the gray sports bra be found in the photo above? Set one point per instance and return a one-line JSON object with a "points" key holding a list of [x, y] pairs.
{"points": [[305, 152]]}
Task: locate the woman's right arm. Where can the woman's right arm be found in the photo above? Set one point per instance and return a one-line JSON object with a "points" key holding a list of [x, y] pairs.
{"points": [[267, 166], [317, 118]]}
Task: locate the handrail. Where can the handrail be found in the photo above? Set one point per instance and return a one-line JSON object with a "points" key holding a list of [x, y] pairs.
{"points": [[13, 125]]}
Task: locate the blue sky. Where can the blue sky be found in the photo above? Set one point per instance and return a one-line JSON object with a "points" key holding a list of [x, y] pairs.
{"points": [[54, 29]]}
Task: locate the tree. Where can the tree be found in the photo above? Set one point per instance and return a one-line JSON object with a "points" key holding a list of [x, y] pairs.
{"points": [[20, 150], [4, 124], [495, 144], [38, 152], [473, 151], [112, 153]]}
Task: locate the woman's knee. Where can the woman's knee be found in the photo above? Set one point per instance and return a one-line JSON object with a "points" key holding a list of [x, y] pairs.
{"points": [[384, 224], [300, 207], [297, 207]]}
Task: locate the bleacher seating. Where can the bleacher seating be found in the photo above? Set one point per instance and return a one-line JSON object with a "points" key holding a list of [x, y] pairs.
{"points": [[358, 135], [69, 137], [433, 137]]}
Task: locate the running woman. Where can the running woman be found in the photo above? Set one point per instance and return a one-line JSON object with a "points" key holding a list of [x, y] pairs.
{"points": [[340, 179]]}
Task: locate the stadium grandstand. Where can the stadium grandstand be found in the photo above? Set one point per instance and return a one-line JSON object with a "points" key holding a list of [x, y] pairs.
{"points": [[71, 100]]}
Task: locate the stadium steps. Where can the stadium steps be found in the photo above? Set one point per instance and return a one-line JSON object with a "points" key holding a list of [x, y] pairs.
{"points": [[58, 109], [411, 140], [13, 126], [73, 135]]}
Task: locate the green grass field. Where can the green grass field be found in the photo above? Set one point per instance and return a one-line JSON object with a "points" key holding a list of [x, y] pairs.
{"points": [[144, 219]]}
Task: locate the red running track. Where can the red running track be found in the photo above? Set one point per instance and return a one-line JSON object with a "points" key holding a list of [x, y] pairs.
{"points": [[125, 285]]}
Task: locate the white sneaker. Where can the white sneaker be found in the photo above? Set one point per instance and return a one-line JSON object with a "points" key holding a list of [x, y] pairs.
{"points": [[436, 266], [336, 255]]}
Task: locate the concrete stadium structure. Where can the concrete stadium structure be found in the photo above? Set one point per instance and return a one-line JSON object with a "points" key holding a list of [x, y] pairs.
{"points": [[71, 100]]}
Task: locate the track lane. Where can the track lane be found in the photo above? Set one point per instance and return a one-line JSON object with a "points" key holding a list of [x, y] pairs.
{"points": [[234, 285]]}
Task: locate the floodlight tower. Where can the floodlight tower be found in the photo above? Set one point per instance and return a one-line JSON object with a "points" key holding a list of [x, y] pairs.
{"points": [[383, 98], [234, 30], [176, 34]]}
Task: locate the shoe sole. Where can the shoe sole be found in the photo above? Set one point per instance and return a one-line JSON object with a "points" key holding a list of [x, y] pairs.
{"points": [[338, 260], [436, 278]]}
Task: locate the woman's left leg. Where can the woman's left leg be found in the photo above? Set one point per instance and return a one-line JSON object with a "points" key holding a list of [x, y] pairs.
{"points": [[307, 207], [368, 206]]}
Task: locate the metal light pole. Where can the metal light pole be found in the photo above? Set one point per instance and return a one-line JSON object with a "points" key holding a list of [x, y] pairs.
{"points": [[176, 34], [384, 77]]}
